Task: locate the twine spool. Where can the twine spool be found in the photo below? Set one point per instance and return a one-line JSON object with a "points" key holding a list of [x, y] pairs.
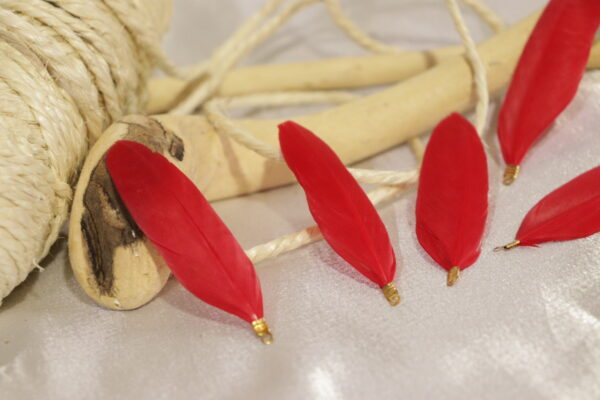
{"points": [[69, 68]]}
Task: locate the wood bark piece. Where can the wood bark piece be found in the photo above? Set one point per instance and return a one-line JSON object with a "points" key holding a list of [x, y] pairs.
{"points": [[125, 273], [111, 258]]}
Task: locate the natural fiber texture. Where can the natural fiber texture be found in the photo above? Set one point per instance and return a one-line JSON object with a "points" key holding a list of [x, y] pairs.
{"points": [[69, 68]]}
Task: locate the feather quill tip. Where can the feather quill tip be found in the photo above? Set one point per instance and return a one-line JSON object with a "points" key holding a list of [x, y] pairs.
{"points": [[453, 275], [509, 246], [262, 330], [391, 294], [510, 174]]}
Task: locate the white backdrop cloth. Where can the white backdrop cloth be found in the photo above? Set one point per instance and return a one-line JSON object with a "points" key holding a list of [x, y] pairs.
{"points": [[519, 325]]}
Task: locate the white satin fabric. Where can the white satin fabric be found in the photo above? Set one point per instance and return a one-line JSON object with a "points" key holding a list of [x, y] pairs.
{"points": [[519, 325]]}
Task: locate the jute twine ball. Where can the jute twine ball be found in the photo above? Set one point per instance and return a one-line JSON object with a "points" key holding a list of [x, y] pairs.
{"points": [[69, 68]]}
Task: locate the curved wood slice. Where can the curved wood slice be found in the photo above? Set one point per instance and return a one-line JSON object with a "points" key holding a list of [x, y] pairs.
{"points": [[111, 258]]}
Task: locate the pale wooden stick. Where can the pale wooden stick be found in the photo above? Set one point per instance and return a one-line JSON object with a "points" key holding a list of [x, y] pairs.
{"points": [[330, 74], [337, 73]]}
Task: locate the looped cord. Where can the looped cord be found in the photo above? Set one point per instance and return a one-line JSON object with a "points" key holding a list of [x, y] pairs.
{"points": [[252, 33], [486, 14], [214, 113], [227, 59], [393, 182], [354, 32], [479, 73]]}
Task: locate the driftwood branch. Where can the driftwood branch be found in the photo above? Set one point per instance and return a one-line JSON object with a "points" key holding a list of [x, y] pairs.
{"points": [[329, 74]]}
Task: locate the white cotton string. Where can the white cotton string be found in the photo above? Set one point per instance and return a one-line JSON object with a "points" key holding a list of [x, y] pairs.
{"points": [[252, 33], [312, 234], [243, 40], [393, 182], [479, 73], [486, 14], [234, 40], [217, 74], [367, 42], [356, 33], [69, 68], [214, 111], [215, 114], [338, 16], [347, 25]]}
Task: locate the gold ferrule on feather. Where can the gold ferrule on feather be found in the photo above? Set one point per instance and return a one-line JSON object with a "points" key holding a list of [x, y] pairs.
{"points": [[262, 330], [511, 173], [453, 275], [509, 246], [391, 294]]}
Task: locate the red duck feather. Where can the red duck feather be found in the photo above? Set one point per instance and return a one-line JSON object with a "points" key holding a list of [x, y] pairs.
{"points": [[345, 215], [197, 246], [452, 199], [546, 77]]}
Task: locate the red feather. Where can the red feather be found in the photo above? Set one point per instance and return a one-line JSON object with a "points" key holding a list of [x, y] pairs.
{"points": [[344, 213], [452, 201], [547, 75], [570, 212], [197, 246]]}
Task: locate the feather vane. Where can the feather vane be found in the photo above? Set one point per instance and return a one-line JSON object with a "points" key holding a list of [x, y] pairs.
{"points": [[197, 246], [570, 212], [452, 199], [345, 215], [546, 77]]}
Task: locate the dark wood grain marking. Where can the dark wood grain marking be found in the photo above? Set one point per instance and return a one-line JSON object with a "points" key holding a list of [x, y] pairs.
{"points": [[106, 224]]}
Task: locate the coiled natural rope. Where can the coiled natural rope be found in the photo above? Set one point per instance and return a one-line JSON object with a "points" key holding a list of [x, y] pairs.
{"points": [[69, 68]]}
